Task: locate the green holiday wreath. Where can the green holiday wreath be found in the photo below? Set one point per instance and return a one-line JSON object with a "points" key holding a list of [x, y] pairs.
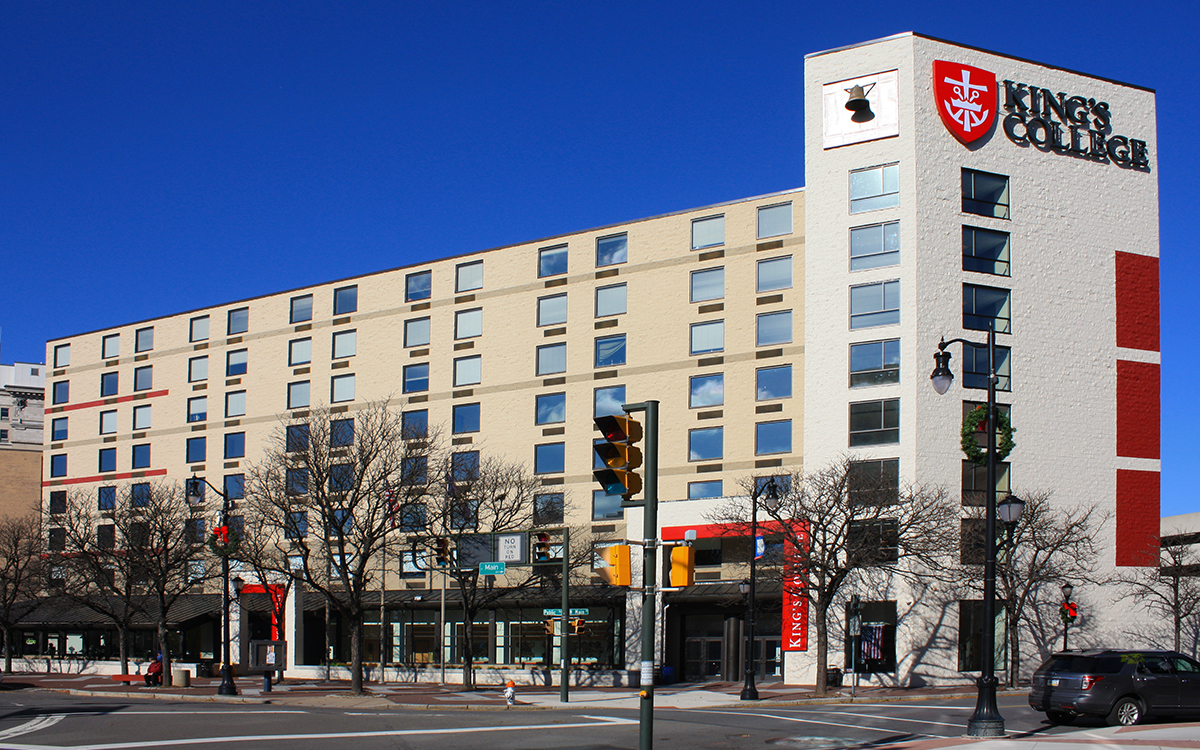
{"points": [[224, 541], [970, 428]]}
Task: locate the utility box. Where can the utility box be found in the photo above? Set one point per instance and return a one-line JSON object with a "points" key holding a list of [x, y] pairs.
{"points": [[268, 656]]}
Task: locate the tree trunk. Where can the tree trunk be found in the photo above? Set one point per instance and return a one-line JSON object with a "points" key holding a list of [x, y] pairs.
{"points": [[356, 656], [822, 647], [165, 646], [468, 652], [123, 647], [8, 631]]}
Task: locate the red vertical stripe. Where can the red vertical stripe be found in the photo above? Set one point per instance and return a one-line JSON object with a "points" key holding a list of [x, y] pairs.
{"points": [[1137, 517], [1137, 301], [1138, 430]]}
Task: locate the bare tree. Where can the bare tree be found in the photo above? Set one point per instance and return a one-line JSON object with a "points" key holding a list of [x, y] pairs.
{"points": [[846, 518], [1172, 590], [20, 573], [321, 498]]}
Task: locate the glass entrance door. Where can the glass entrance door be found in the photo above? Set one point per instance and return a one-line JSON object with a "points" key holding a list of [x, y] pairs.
{"points": [[702, 659]]}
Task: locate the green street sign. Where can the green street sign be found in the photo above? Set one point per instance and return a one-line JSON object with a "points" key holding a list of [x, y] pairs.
{"points": [[573, 612], [491, 568]]}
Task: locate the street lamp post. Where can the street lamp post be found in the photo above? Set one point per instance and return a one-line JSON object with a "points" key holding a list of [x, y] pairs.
{"points": [[766, 487], [986, 721], [194, 491], [1067, 590]]}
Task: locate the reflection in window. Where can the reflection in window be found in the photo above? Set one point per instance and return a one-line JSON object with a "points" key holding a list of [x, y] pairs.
{"points": [[607, 402], [773, 382], [612, 250], [703, 490], [708, 284], [552, 261], [774, 328], [706, 444], [875, 422], [875, 246], [345, 300], [417, 286], [875, 188], [551, 408], [301, 309], [875, 363], [416, 378], [707, 390], [773, 437], [708, 232], [610, 351], [985, 251], [984, 306], [875, 305]]}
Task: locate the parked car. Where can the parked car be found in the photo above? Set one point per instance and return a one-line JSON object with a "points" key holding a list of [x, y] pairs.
{"points": [[1122, 686]]}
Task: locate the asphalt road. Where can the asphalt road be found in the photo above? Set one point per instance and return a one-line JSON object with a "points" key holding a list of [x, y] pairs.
{"points": [[48, 720]]}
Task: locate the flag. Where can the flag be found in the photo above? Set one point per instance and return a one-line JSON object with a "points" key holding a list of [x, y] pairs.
{"points": [[872, 641]]}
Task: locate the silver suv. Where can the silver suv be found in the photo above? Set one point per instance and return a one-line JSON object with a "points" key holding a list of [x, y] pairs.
{"points": [[1123, 686]]}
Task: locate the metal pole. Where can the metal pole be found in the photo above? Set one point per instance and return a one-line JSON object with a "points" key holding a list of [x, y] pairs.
{"points": [[382, 611], [986, 720], [565, 648], [649, 575], [442, 630], [227, 686], [749, 691], [1066, 625]]}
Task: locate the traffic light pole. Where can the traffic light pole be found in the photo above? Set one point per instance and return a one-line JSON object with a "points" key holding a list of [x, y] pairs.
{"points": [[649, 572], [565, 647]]}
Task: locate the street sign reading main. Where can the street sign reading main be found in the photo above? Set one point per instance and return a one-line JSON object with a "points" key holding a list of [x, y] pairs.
{"points": [[491, 568], [558, 612]]}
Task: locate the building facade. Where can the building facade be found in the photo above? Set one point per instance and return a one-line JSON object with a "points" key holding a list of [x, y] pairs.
{"points": [[22, 387], [778, 332]]}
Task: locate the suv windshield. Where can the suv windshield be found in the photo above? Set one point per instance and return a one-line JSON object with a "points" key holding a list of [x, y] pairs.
{"points": [[1089, 664]]}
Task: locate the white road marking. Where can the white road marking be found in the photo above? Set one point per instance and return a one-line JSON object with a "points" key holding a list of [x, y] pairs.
{"points": [[814, 721], [32, 725], [597, 721], [883, 717], [910, 705]]}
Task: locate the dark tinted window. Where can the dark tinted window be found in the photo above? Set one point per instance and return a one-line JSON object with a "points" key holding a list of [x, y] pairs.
{"points": [[1084, 664]]}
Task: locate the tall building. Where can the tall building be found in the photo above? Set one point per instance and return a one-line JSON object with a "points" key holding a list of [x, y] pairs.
{"points": [[22, 387], [778, 333]]}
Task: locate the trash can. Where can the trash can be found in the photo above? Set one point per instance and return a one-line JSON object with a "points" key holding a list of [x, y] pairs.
{"points": [[181, 678], [204, 669], [666, 675], [833, 677]]}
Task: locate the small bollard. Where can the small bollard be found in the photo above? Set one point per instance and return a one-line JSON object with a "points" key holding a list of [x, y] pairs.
{"points": [[181, 678], [266, 682]]}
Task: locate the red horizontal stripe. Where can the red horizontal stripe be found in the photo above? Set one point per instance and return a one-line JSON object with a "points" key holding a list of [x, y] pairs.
{"points": [[104, 477], [110, 401]]}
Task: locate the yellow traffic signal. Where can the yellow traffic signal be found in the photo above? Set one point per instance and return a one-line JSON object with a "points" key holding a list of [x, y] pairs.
{"points": [[620, 455], [683, 566], [541, 548], [550, 625], [615, 570], [577, 626], [442, 551]]}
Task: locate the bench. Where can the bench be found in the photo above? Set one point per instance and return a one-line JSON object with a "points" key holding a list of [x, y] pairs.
{"points": [[129, 678]]}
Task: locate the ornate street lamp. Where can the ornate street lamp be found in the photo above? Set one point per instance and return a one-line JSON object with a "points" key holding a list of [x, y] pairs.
{"points": [[1067, 590], [194, 491], [768, 488]]}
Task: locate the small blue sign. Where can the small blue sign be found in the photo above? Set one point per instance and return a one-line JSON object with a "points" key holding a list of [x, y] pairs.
{"points": [[760, 547]]}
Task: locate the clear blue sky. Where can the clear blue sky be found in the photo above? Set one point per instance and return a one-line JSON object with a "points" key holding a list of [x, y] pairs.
{"points": [[156, 157]]}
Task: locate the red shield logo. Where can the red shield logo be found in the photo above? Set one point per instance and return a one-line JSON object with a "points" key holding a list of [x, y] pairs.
{"points": [[966, 99]]}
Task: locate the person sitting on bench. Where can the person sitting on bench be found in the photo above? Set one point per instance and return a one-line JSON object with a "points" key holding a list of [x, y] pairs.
{"points": [[154, 673]]}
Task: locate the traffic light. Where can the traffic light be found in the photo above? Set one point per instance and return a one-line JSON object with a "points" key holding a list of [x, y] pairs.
{"points": [[620, 456], [442, 551], [683, 566], [550, 625], [577, 625], [541, 548], [615, 571]]}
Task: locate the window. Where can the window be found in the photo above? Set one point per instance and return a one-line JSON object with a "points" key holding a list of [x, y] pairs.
{"points": [[468, 371], [468, 276], [296, 526], [345, 344], [297, 481], [239, 321], [143, 339], [143, 378], [108, 422], [416, 378], [197, 449], [198, 494], [341, 478], [197, 409], [466, 418], [139, 496], [109, 383], [985, 194], [984, 305], [606, 506], [706, 390], [773, 382], [708, 232], [552, 261], [341, 388], [58, 428], [141, 417], [415, 470], [703, 490], [235, 445], [57, 542], [611, 251], [417, 286], [296, 438], [551, 358], [298, 395], [552, 311], [971, 541], [236, 363], [58, 465], [58, 502], [874, 482], [195, 531], [299, 352], [548, 509], [773, 437], [468, 323], [235, 404], [610, 351], [197, 369], [107, 459], [611, 300], [551, 408], [774, 221], [60, 392], [301, 309], [464, 468], [607, 402], [106, 498], [708, 284], [110, 346], [341, 433], [875, 188], [875, 363], [706, 444], [774, 328], [414, 424], [873, 542], [416, 332], [549, 458], [774, 274], [62, 355], [875, 305], [974, 482], [141, 456], [198, 329], [985, 251], [235, 486], [345, 300], [975, 367], [875, 246], [708, 337], [875, 422]]}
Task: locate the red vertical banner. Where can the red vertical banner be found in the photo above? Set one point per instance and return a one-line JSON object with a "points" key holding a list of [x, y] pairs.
{"points": [[1137, 517], [795, 598]]}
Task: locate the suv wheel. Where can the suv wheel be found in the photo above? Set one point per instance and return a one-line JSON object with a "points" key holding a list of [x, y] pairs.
{"points": [[1126, 712], [1060, 717]]}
